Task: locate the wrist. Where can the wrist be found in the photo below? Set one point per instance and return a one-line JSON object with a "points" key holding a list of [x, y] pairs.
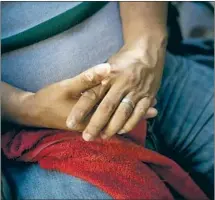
{"points": [[26, 109], [147, 40], [155, 35]]}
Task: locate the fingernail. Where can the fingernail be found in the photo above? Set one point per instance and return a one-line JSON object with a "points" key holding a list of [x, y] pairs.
{"points": [[71, 124], [105, 82], [104, 137], [89, 76], [87, 137], [103, 69], [121, 132]]}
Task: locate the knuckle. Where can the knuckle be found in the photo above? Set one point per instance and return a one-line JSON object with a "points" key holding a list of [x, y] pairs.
{"points": [[125, 111], [90, 94], [89, 78], [144, 105], [79, 114], [108, 106], [131, 77], [86, 78], [142, 110]]}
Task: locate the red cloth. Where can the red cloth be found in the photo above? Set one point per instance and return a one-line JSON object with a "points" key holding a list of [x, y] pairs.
{"points": [[120, 167]]}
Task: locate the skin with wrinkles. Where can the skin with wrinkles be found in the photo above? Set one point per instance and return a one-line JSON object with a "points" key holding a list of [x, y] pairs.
{"points": [[136, 73], [50, 106]]}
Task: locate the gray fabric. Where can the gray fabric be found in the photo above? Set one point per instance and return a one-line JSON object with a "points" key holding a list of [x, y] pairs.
{"points": [[67, 54], [184, 126], [185, 102], [20, 16]]}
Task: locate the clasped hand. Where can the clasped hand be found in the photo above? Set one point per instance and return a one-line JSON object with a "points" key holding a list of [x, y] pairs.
{"points": [[124, 97]]}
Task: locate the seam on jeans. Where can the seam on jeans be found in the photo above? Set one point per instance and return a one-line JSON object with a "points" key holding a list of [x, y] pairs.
{"points": [[151, 136]]}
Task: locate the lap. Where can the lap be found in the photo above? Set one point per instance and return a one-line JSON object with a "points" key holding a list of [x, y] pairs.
{"points": [[184, 125]]}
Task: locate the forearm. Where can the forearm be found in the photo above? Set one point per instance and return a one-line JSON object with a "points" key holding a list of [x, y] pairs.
{"points": [[143, 20], [14, 106]]}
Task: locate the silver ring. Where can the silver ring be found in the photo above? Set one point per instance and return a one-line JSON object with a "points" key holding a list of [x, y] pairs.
{"points": [[128, 101]]}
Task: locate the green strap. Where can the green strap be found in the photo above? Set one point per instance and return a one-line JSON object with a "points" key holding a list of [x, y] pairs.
{"points": [[51, 27]]}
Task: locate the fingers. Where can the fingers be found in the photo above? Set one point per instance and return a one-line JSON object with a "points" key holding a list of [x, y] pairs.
{"points": [[152, 112], [154, 102], [85, 105], [87, 79], [104, 112], [120, 116], [139, 111]]}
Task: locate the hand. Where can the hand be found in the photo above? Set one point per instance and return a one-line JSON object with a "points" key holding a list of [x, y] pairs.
{"points": [[135, 75], [50, 106]]}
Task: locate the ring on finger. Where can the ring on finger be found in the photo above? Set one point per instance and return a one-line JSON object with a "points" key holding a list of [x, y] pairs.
{"points": [[129, 102]]}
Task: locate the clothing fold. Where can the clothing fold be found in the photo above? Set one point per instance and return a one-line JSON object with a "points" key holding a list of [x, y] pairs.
{"points": [[121, 166]]}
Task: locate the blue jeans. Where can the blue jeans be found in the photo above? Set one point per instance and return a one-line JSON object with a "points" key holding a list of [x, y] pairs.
{"points": [[183, 127]]}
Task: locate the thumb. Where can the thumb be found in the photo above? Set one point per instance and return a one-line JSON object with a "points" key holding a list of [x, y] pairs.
{"points": [[87, 79]]}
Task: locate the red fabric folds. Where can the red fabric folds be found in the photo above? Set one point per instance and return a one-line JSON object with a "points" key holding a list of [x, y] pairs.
{"points": [[121, 167]]}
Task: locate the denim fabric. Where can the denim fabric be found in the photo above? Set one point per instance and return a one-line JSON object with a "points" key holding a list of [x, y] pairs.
{"points": [[184, 127], [185, 123], [6, 193], [32, 182]]}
